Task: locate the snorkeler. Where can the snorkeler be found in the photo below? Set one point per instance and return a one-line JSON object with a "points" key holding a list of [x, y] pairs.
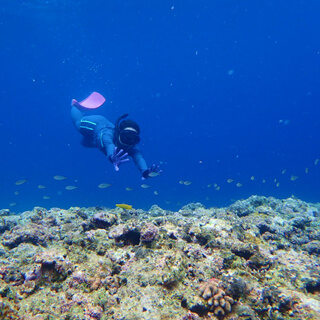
{"points": [[117, 141]]}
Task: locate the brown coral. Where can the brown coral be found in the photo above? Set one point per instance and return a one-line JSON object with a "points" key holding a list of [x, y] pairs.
{"points": [[218, 302]]}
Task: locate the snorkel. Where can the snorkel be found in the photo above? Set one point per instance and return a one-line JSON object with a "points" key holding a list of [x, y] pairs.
{"points": [[119, 119], [117, 129]]}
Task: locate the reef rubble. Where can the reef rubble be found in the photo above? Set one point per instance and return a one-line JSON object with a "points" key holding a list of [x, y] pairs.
{"points": [[259, 258]]}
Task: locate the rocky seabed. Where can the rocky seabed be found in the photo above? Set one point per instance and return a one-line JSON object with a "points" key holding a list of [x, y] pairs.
{"points": [[259, 258]]}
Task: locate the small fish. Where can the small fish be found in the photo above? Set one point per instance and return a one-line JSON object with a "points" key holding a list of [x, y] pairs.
{"points": [[263, 181], [129, 189], [71, 187], [124, 206], [59, 178], [283, 171], [278, 184], [239, 184], [104, 185], [155, 192], [215, 185], [316, 161], [181, 182], [230, 180], [16, 193], [46, 197], [217, 188], [209, 185], [275, 180], [153, 174], [19, 182], [12, 204], [252, 178], [307, 170], [187, 183], [40, 186], [145, 186], [293, 178]]}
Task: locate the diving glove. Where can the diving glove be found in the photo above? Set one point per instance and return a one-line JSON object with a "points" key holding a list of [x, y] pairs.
{"points": [[118, 158]]}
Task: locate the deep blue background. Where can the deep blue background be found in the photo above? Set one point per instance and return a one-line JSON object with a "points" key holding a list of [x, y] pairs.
{"points": [[221, 90]]}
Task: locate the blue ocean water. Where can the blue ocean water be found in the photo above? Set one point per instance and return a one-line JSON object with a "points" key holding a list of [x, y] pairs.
{"points": [[221, 89]]}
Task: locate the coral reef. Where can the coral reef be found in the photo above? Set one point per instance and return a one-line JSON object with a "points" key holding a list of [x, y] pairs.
{"points": [[258, 259]]}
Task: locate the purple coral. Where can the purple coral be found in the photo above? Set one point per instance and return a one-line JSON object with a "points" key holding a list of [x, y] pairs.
{"points": [[191, 316], [103, 220], [79, 277], [149, 233], [35, 274], [94, 312]]}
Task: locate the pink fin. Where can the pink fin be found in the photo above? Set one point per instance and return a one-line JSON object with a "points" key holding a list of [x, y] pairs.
{"points": [[95, 100]]}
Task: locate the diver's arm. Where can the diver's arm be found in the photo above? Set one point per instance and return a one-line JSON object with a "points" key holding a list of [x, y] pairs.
{"points": [[138, 159], [106, 142], [107, 146]]}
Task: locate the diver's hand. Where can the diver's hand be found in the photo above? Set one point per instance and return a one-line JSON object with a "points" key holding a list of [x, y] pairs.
{"points": [[118, 158], [153, 171]]}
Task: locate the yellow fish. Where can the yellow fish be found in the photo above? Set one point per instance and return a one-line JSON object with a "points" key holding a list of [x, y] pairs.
{"points": [[124, 206]]}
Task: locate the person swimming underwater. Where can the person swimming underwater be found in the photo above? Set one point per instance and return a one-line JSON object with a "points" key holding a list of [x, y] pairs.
{"points": [[117, 141]]}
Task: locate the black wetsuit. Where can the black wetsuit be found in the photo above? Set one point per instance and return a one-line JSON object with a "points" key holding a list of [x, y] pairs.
{"points": [[98, 132]]}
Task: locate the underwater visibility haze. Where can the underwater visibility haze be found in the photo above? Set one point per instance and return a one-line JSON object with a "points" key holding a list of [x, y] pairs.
{"points": [[226, 94]]}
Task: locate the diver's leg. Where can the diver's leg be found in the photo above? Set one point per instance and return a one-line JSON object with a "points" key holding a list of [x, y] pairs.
{"points": [[76, 116]]}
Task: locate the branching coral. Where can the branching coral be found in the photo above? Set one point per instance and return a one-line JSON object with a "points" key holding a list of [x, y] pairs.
{"points": [[218, 302]]}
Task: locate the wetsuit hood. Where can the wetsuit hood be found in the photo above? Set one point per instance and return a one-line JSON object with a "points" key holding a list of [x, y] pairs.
{"points": [[126, 132]]}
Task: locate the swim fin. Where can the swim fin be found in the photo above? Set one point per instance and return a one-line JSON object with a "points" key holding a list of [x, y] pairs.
{"points": [[95, 100]]}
